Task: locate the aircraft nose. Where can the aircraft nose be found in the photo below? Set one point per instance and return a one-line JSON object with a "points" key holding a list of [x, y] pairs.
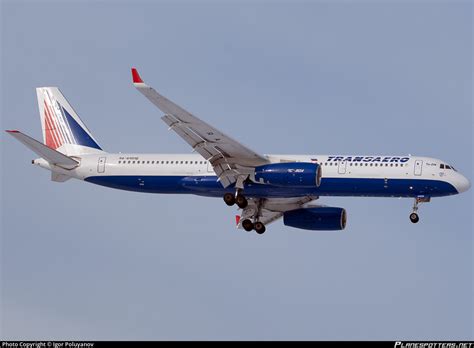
{"points": [[462, 184]]}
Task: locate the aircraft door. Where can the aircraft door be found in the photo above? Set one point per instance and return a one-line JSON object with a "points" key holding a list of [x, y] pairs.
{"points": [[341, 169], [418, 167], [101, 165]]}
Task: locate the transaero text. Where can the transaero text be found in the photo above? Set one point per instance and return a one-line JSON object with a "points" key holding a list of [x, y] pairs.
{"points": [[368, 159]]}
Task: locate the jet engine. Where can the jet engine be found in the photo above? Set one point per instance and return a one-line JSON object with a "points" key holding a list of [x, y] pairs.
{"points": [[299, 174], [316, 219]]}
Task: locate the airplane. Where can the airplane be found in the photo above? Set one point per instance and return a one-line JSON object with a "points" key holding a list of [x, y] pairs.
{"points": [[264, 187]]}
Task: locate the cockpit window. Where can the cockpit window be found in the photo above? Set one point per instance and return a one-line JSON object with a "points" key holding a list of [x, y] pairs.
{"points": [[441, 166]]}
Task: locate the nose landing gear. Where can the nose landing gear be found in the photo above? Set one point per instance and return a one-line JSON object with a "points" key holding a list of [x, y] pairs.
{"points": [[414, 215], [414, 218]]}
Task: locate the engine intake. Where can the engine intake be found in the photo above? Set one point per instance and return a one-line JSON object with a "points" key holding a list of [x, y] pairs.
{"points": [[301, 174], [316, 219]]}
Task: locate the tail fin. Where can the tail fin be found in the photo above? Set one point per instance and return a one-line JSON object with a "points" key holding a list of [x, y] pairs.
{"points": [[63, 130]]}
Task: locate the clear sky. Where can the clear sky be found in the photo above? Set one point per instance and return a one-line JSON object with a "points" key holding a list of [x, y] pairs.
{"points": [[86, 262]]}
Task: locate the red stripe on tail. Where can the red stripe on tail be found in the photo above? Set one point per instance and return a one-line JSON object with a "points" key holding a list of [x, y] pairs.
{"points": [[49, 129]]}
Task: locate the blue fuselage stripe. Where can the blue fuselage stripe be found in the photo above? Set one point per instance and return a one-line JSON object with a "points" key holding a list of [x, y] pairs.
{"points": [[209, 186]]}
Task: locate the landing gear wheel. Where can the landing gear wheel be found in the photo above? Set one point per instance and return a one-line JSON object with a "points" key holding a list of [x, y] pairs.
{"points": [[247, 225], [414, 218], [259, 227], [229, 199], [241, 201]]}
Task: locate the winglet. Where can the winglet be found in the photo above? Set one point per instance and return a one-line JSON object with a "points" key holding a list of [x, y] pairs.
{"points": [[136, 76]]}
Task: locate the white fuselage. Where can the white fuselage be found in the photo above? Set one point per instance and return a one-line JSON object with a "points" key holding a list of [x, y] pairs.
{"points": [[180, 173]]}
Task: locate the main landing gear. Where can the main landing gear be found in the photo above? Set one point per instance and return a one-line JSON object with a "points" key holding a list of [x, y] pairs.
{"points": [[414, 215], [242, 202], [238, 199], [248, 225]]}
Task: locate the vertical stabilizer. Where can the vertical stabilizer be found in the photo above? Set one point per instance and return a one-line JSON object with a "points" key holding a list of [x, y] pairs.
{"points": [[63, 130]]}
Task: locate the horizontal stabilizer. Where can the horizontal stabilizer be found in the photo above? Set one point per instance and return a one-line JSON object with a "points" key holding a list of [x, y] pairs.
{"points": [[52, 156]]}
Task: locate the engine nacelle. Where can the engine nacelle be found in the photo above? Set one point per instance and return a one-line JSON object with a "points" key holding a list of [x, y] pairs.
{"points": [[299, 174], [316, 219]]}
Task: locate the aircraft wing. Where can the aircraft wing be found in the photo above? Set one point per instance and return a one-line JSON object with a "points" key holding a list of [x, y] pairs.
{"points": [[271, 209], [229, 158]]}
